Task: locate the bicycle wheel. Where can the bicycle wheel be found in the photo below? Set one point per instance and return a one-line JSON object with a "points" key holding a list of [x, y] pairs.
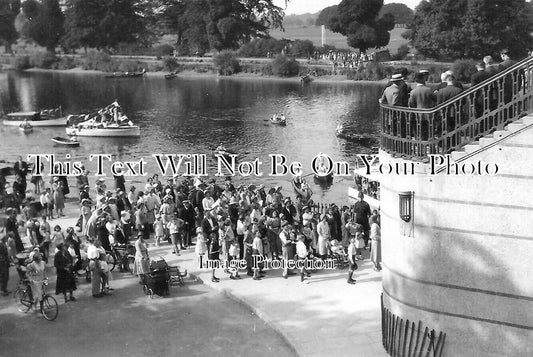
{"points": [[111, 260], [23, 300], [131, 264], [49, 309]]}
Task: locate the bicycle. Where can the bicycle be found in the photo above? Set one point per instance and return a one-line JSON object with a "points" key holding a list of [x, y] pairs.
{"points": [[123, 256], [24, 297]]}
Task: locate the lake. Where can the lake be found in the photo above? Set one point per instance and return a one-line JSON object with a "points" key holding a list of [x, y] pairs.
{"points": [[191, 115]]}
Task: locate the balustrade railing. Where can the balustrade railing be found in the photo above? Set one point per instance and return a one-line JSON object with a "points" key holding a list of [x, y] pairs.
{"points": [[476, 112]]}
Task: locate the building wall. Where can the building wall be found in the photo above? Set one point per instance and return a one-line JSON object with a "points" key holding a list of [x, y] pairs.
{"points": [[464, 265]]}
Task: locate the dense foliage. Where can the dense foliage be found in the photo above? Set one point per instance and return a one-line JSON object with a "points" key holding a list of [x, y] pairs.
{"points": [[218, 24], [45, 22], [401, 12], [359, 21], [471, 28], [9, 10], [102, 24], [283, 66], [226, 63]]}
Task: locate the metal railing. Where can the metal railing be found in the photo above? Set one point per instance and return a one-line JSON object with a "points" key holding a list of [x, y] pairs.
{"points": [[476, 112], [404, 338]]}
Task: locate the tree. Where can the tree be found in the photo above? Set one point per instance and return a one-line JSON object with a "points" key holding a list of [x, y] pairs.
{"points": [[8, 12], [325, 15], [44, 23], [471, 28], [219, 24], [359, 20], [402, 13], [102, 24]]}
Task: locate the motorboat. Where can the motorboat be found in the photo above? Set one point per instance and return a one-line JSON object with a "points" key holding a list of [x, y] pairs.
{"points": [[107, 122], [46, 117], [126, 74]]}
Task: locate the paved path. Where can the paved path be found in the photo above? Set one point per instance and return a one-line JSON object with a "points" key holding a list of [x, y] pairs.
{"points": [[326, 316]]}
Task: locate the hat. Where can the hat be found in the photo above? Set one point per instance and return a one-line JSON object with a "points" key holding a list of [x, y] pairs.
{"points": [[101, 179], [261, 186], [505, 51], [305, 207], [423, 71], [287, 199], [86, 201], [85, 186], [187, 202], [199, 230], [233, 201], [56, 178], [396, 77], [251, 187]]}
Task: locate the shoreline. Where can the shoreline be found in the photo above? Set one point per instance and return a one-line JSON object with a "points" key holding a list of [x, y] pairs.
{"points": [[327, 79]]}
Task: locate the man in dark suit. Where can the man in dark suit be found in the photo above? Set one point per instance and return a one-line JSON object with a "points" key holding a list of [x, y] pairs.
{"points": [[421, 97], [490, 67], [506, 58], [508, 83], [446, 94], [480, 75]]}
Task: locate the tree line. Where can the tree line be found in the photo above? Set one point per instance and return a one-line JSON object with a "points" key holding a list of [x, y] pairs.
{"points": [[199, 25]]}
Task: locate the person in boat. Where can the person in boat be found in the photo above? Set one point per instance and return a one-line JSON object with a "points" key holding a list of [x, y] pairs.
{"points": [[221, 148], [282, 117], [74, 138]]}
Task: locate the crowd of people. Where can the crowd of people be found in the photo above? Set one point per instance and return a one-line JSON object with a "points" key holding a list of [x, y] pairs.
{"points": [[220, 222]]}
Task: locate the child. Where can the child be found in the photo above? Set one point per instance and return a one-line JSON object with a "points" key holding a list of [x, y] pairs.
{"points": [[301, 252], [234, 252], [352, 258], [359, 245], [57, 237], [159, 229], [201, 244], [214, 253]]}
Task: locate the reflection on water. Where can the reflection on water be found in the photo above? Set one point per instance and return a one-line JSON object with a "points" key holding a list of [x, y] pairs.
{"points": [[192, 115]]}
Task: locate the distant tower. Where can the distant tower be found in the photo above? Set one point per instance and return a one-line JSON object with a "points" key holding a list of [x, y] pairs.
{"points": [[323, 35]]}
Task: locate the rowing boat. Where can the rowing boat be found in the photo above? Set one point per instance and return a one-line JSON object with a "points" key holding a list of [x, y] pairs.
{"points": [[305, 191], [126, 74], [340, 132], [73, 142], [278, 120]]}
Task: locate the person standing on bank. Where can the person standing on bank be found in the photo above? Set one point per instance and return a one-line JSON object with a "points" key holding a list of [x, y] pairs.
{"points": [[142, 261], [36, 275], [4, 266], [352, 259], [66, 282], [375, 235], [93, 255], [362, 212]]}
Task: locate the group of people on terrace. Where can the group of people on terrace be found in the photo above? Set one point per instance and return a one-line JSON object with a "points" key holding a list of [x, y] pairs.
{"points": [[219, 221], [423, 95]]}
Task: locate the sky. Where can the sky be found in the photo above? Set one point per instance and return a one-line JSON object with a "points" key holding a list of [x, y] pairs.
{"points": [[312, 6]]}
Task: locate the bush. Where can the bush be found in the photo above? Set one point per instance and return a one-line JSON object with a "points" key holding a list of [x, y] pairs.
{"points": [[163, 50], [464, 69], [98, 61], [226, 63], [21, 62], [261, 47], [403, 51], [372, 71], [285, 67], [170, 63], [302, 48], [65, 63], [43, 60]]}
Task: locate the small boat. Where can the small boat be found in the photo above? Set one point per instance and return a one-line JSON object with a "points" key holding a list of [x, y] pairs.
{"points": [[340, 132], [302, 189], [26, 128], [221, 151], [278, 120], [171, 75], [324, 178], [66, 141], [45, 117], [107, 122], [126, 74]]}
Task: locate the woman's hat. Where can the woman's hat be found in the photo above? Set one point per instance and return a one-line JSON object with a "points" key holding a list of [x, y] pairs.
{"points": [[397, 77]]}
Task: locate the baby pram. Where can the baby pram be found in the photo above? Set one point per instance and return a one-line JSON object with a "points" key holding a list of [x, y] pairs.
{"points": [[156, 281]]}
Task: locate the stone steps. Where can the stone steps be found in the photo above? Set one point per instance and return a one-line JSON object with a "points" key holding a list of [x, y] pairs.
{"points": [[497, 136]]}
